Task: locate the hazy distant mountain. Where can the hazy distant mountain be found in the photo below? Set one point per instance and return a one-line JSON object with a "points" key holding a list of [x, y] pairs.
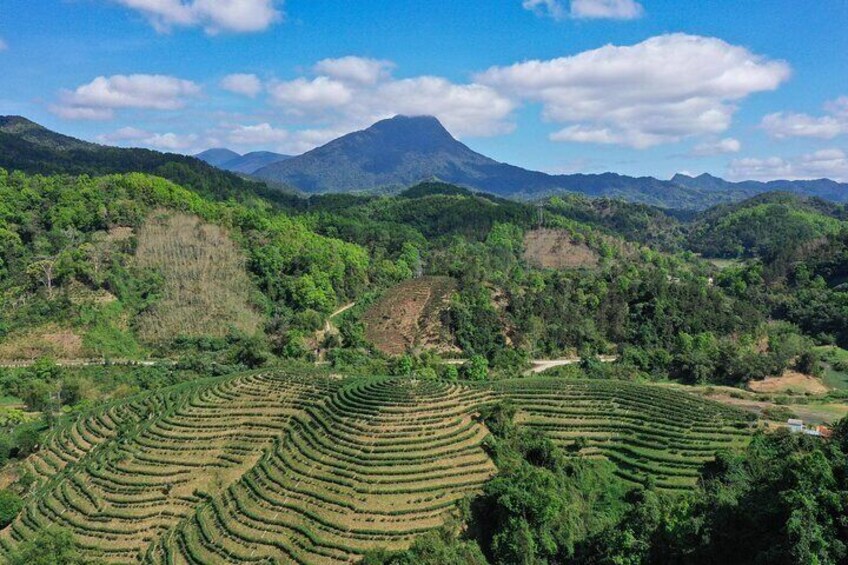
{"points": [[401, 151], [245, 164], [822, 188], [217, 156]]}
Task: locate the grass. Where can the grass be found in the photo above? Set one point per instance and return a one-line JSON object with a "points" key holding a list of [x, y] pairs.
{"points": [[831, 355], [724, 263]]}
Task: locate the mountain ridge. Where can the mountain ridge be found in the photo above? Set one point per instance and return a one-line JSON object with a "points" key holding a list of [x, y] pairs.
{"points": [[246, 164], [403, 150]]}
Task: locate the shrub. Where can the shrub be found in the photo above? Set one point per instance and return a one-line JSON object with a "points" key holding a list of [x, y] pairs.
{"points": [[10, 505]]}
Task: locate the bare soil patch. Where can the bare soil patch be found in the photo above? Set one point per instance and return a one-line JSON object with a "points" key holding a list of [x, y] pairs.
{"points": [[557, 249], [47, 341], [789, 381], [409, 316]]}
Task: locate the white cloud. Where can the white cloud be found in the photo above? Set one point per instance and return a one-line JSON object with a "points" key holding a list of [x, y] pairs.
{"points": [[260, 134], [825, 163], [553, 8], [354, 92], [606, 9], [214, 16], [587, 9], [784, 125], [354, 69], [717, 147], [99, 98], [246, 84], [264, 136], [661, 90], [74, 113], [302, 94], [164, 141]]}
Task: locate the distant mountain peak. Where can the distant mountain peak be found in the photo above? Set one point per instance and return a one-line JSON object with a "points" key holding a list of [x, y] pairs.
{"points": [[217, 156], [421, 134], [248, 163]]}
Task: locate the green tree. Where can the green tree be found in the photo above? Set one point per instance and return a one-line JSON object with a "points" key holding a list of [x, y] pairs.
{"points": [[53, 546], [476, 368], [10, 506]]}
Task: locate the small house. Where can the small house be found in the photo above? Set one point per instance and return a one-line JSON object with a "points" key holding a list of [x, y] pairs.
{"points": [[795, 426]]}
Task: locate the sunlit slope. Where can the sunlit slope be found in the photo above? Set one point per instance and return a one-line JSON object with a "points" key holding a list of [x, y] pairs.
{"points": [[649, 432], [306, 469], [375, 465]]}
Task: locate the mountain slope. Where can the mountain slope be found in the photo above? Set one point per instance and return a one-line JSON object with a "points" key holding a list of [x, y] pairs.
{"points": [[28, 147], [245, 164], [771, 226], [404, 150], [821, 188], [217, 156], [249, 163]]}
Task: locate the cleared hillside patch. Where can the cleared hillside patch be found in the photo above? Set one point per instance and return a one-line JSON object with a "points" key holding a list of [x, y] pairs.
{"points": [[50, 340], [557, 249], [206, 290], [789, 381], [409, 316]]}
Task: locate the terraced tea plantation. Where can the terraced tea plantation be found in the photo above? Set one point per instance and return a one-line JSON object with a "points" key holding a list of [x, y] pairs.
{"points": [[647, 431], [270, 467]]}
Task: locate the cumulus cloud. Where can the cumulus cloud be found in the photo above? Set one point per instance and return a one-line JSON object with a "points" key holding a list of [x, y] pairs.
{"points": [[354, 92], [319, 93], [164, 141], [782, 125], [99, 99], [717, 147], [355, 69], [246, 84], [661, 90], [825, 163], [269, 137], [260, 134], [606, 9], [214, 16], [587, 9]]}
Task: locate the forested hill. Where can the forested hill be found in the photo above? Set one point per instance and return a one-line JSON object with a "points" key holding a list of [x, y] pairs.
{"points": [[28, 147], [768, 226]]}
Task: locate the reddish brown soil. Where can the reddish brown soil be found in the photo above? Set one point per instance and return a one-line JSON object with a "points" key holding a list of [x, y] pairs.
{"points": [[556, 249], [409, 316]]}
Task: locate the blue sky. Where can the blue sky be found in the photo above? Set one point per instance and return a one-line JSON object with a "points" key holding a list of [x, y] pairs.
{"points": [[755, 89]]}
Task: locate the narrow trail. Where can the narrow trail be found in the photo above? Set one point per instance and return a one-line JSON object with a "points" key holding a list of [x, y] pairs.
{"points": [[542, 365], [88, 363], [341, 310]]}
